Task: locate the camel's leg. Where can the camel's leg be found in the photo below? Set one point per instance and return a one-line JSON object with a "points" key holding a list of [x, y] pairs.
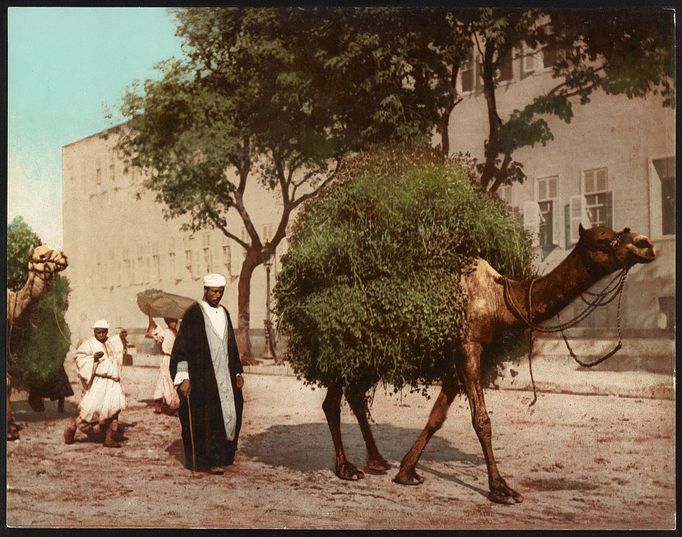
{"points": [[407, 474], [375, 462], [332, 410], [470, 373]]}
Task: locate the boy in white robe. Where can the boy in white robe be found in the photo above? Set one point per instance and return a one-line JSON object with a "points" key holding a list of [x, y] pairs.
{"points": [[99, 361]]}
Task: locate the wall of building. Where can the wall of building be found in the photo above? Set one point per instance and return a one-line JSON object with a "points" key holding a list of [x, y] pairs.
{"points": [[119, 243]]}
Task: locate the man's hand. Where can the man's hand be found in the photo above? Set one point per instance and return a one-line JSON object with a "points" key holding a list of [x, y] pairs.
{"points": [[98, 355], [184, 388], [240, 381]]}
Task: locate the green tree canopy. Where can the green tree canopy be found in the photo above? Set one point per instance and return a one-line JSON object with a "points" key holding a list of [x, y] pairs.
{"points": [[370, 287], [274, 95]]}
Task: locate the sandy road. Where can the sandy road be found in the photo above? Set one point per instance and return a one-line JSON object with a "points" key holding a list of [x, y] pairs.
{"points": [[580, 462]]}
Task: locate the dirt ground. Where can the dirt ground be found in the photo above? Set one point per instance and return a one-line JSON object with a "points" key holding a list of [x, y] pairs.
{"points": [[597, 462]]}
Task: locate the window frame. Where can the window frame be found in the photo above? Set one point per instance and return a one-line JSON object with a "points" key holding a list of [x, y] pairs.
{"points": [[608, 191], [655, 198]]}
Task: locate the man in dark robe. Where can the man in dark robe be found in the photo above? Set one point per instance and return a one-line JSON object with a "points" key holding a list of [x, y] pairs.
{"points": [[206, 367]]}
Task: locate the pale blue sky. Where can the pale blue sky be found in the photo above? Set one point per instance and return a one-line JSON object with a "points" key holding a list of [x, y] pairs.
{"points": [[68, 67]]}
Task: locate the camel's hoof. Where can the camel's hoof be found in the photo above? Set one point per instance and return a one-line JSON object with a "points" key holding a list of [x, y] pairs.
{"points": [[378, 466], [112, 444], [349, 472], [505, 495], [408, 477]]}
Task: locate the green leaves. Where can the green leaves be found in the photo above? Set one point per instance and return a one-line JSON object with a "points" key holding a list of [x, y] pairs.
{"points": [[20, 239], [370, 287], [40, 338]]}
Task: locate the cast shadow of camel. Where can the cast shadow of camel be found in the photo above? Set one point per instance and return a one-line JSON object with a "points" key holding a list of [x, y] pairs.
{"points": [[23, 412], [308, 448]]}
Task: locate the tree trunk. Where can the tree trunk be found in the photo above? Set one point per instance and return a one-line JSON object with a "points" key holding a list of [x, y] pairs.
{"points": [[244, 311]]}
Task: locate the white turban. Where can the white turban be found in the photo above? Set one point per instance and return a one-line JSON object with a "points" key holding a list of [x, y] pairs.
{"points": [[214, 280], [102, 323]]}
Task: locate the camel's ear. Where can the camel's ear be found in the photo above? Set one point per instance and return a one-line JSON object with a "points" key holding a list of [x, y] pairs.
{"points": [[30, 252], [581, 230]]}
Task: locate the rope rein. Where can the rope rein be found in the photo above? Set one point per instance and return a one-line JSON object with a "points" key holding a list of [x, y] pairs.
{"points": [[612, 290]]}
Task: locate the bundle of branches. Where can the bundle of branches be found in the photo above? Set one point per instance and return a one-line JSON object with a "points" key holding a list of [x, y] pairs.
{"points": [[370, 287], [40, 339]]}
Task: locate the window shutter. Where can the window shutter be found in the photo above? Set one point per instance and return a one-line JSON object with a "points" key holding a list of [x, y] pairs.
{"points": [[555, 222], [578, 216], [609, 209], [531, 219], [567, 226], [530, 61]]}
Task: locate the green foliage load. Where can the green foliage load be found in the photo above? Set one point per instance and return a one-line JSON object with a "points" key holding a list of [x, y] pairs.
{"points": [[40, 338], [370, 287], [20, 239]]}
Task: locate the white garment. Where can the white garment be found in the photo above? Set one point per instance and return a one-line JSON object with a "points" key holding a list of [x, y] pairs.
{"points": [[216, 315], [104, 396]]}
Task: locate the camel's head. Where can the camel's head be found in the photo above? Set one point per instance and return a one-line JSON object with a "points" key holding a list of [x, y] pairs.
{"points": [[607, 250], [44, 260]]}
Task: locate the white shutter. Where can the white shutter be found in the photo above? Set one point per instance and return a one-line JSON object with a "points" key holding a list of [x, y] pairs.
{"points": [[531, 219], [578, 215], [530, 61], [555, 222]]}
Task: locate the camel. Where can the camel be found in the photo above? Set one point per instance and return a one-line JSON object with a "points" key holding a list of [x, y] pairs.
{"points": [[492, 307], [43, 264]]}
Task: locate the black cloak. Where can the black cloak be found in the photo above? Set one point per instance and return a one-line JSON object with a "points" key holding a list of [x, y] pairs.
{"points": [[211, 446]]}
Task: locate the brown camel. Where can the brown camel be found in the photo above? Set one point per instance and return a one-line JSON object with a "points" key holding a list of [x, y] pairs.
{"points": [[43, 264], [599, 252]]}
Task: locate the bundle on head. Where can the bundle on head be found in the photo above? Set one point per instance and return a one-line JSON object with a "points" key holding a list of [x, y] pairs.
{"points": [[370, 288]]}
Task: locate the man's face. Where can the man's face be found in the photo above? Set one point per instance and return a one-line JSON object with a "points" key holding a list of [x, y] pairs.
{"points": [[101, 334], [213, 295]]}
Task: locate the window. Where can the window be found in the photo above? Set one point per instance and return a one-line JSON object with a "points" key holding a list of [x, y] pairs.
{"points": [[598, 198], [505, 72], [127, 267], [172, 267], [505, 194], [112, 168], [188, 256], [538, 59], [227, 258], [548, 206], [206, 243], [156, 262], [531, 60], [665, 169], [98, 172], [267, 232], [468, 72]]}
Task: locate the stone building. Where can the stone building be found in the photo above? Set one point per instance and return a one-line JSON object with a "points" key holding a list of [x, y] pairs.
{"points": [[614, 164], [119, 243]]}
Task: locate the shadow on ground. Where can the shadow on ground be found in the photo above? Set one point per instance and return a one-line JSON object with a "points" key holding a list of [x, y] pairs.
{"points": [[308, 447], [22, 411]]}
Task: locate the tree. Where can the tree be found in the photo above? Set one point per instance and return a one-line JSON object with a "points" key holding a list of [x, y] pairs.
{"points": [[618, 51], [278, 96], [370, 287]]}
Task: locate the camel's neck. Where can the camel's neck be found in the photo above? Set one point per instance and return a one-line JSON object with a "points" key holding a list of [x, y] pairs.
{"points": [[33, 289], [553, 292]]}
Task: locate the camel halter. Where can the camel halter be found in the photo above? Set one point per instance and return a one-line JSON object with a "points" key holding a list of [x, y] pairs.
{"points": [[605, 296]]}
